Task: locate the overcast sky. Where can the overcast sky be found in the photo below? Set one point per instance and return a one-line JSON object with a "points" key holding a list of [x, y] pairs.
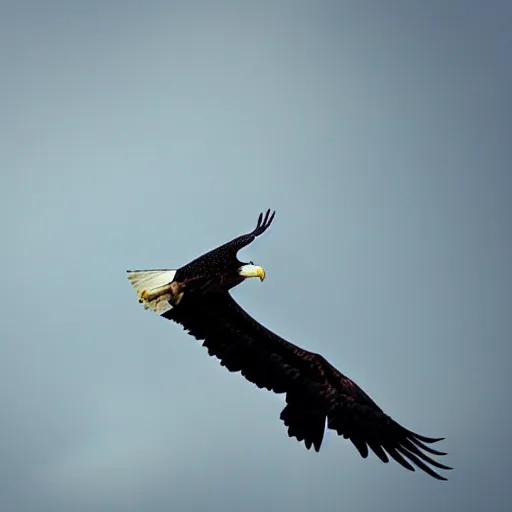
{"points": [[141, 134]]}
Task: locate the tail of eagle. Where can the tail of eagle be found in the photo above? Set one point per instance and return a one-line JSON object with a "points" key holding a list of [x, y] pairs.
{"points": [[153, 288]]}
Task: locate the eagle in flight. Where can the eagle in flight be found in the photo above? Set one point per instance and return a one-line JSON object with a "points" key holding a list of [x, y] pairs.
{"points": [[197, 297]]}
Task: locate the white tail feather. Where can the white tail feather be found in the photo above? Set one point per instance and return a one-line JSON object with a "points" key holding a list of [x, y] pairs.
{"points": [[153, 288]]}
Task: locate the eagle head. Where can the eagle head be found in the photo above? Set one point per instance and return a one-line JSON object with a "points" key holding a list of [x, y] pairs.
{"points": [[251, 270]]}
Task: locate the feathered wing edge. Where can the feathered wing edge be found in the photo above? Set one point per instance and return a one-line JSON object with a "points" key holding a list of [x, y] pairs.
{"points": [[228, 250], [316, 392], [264, 222], [375, 431]]}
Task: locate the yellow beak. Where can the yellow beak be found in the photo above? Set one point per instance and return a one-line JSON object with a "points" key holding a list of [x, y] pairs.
{"points": [[252, 271]]}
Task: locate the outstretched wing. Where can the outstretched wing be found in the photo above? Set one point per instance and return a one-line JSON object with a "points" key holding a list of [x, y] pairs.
{"points": [[263, 223], [233, 246], [315, 390], [225, 254]]}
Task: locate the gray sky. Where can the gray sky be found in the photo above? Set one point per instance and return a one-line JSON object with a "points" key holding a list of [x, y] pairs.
{"points": [[141, 134]]}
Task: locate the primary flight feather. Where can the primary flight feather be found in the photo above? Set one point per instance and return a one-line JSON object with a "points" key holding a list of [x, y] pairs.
{"points": [[197, 297]]}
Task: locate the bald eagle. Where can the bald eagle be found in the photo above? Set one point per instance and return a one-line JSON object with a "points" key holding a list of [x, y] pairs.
{"points": [[197, 297]]}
